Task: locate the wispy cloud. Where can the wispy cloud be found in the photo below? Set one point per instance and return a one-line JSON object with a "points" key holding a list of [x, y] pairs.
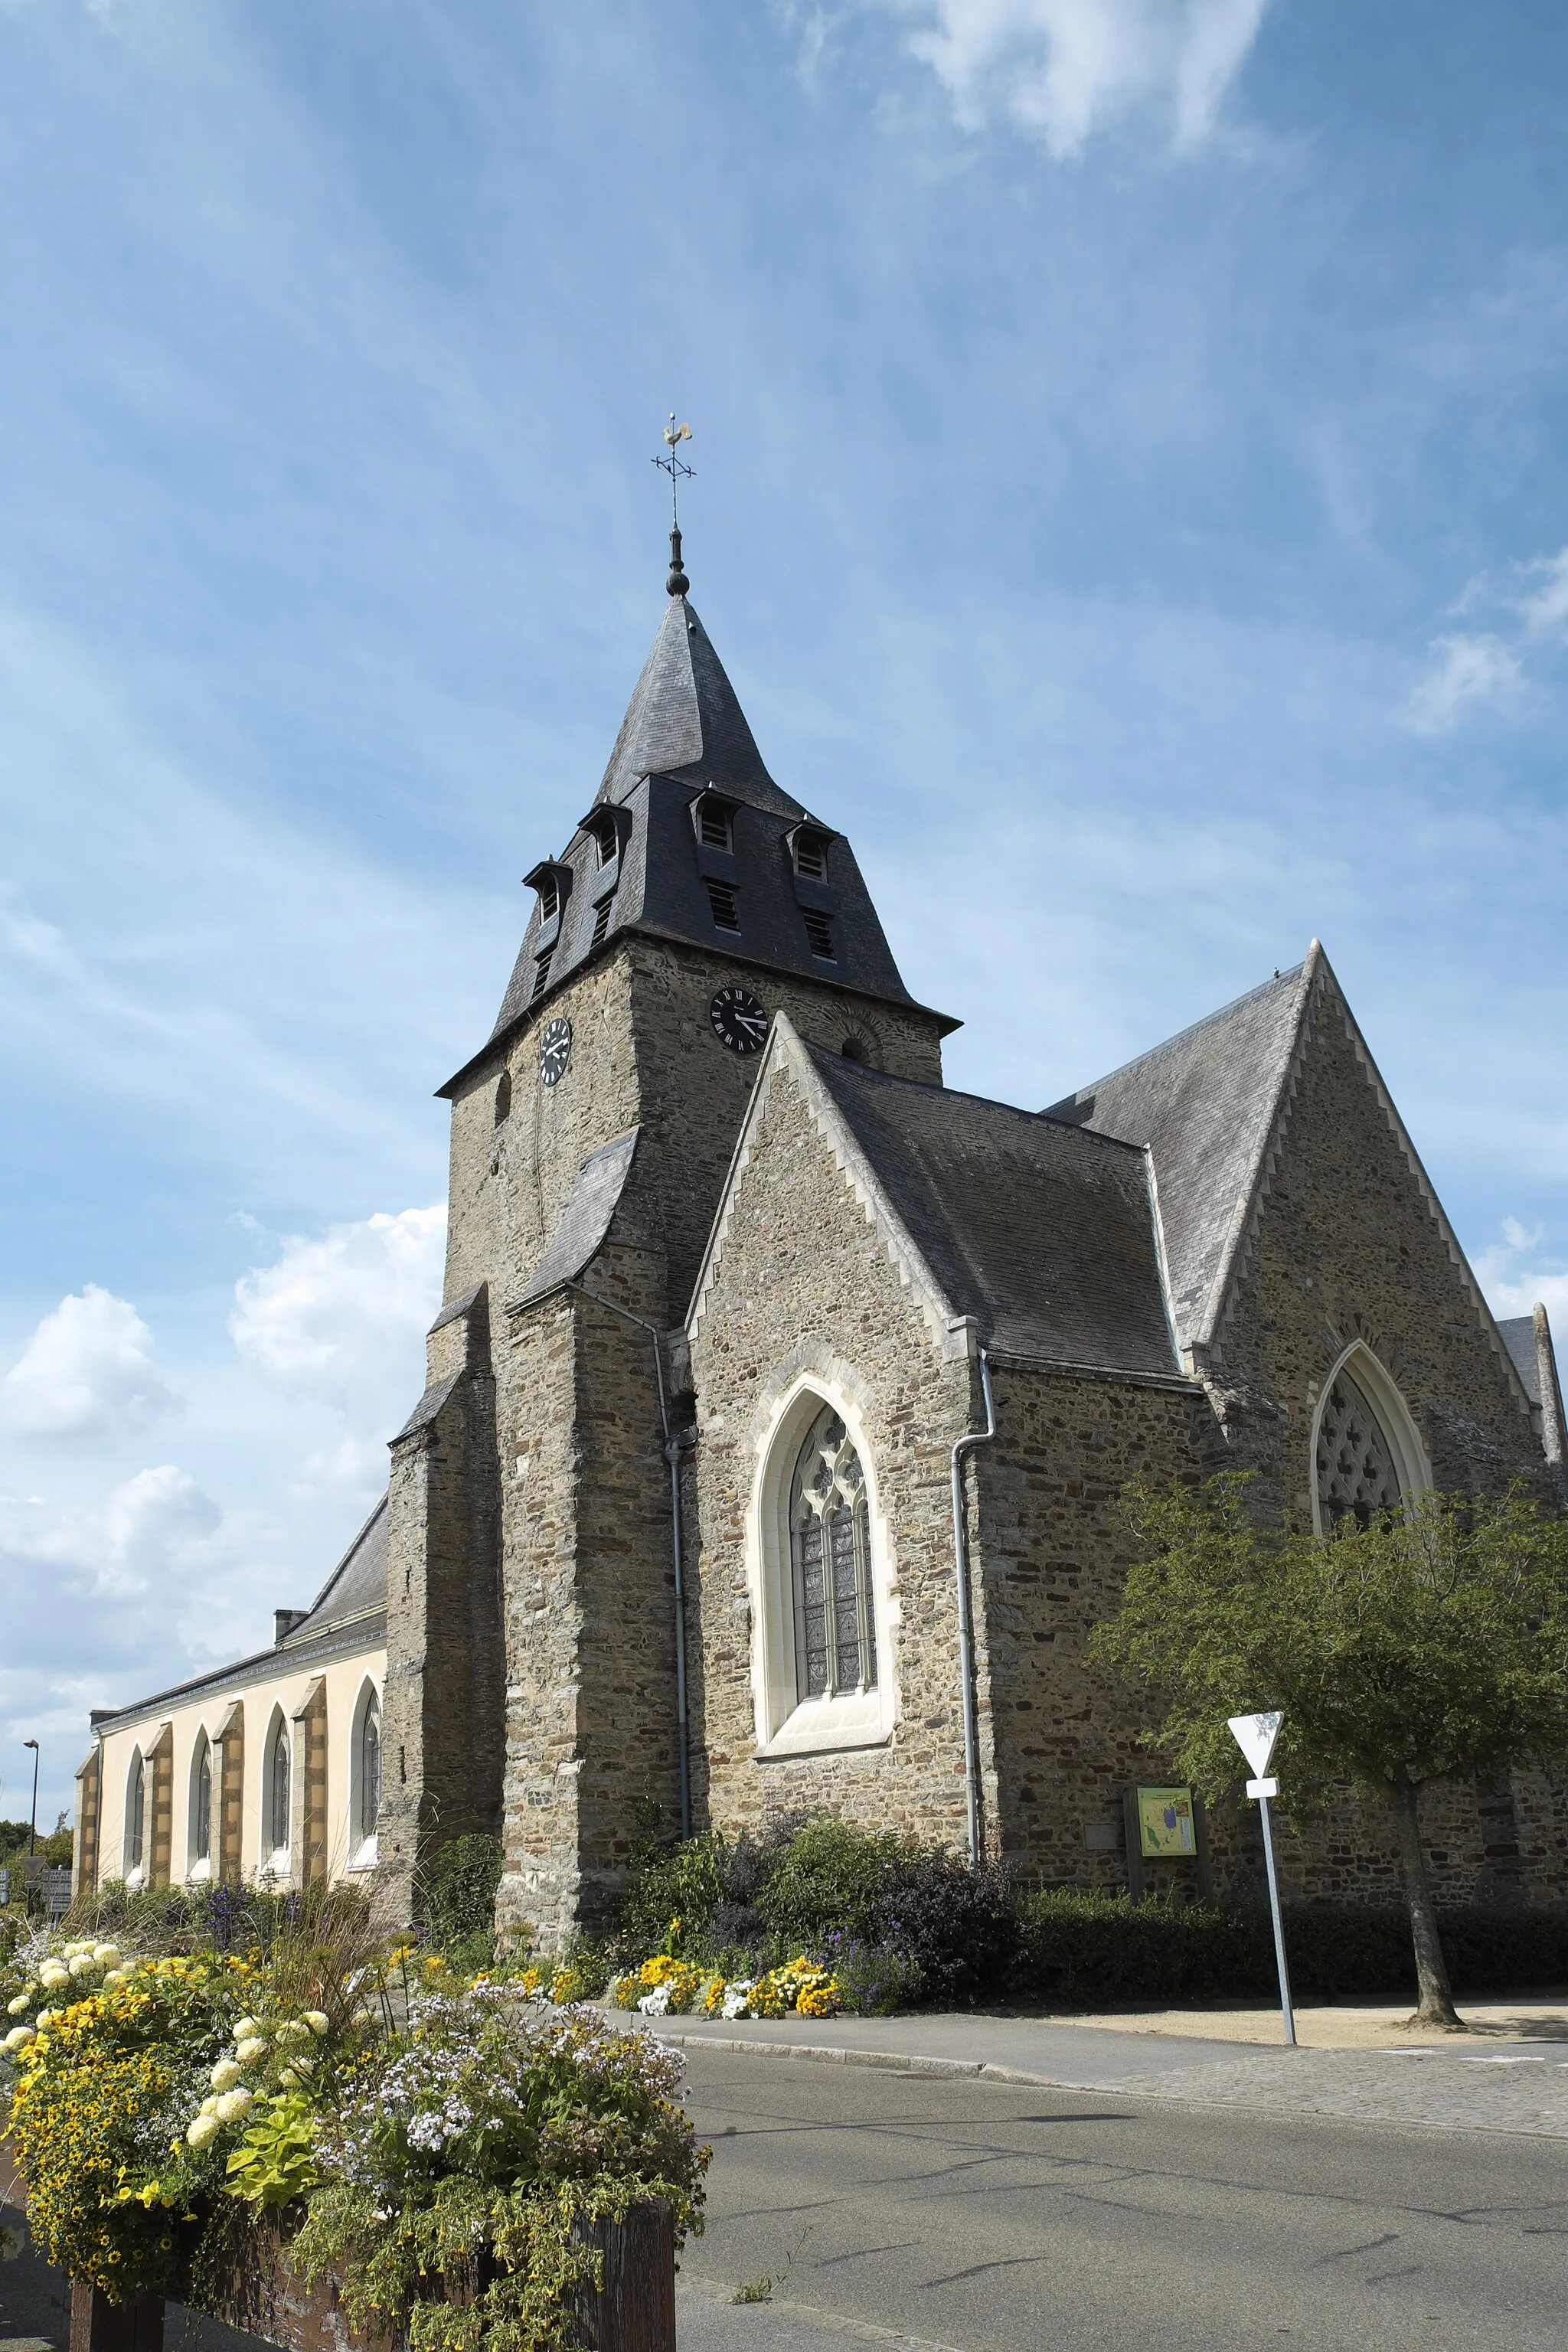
{"points": [[1487, 667], [1463, 670], [1062, 69], [86, 1372]]}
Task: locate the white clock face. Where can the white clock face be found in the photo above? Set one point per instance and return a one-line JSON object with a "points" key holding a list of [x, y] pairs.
{"points": [[554, 1052], [739, 1021]]}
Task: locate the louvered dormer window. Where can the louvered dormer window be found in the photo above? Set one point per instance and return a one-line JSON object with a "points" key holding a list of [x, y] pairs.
{"points": [[606, 840], [811, 856], [715, 823], [549, 899], [541, 974], [722, 900], [602, 914], [818, 933]]}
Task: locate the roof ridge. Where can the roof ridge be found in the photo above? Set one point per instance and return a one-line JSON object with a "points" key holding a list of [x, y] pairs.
{"points": [[866, 1070]]}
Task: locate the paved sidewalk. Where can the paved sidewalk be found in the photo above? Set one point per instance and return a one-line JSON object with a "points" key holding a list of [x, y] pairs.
{"points": [[1463, 2086]]}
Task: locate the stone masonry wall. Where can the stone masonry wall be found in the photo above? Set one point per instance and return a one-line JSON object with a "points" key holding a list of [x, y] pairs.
{"points": [[1347, 1246], [589, 1580], [442, 1717], [803, 1284]]}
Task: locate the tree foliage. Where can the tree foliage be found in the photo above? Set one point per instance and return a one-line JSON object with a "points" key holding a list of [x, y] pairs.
{"points": [[1431, 1645], [1427, 1647]]}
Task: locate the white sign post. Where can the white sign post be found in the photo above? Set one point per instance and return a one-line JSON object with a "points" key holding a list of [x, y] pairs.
{"points": [[1255, 1734]]}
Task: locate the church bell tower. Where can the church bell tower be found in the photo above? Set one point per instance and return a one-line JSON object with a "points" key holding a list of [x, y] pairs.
{"points": [[535, 1683]]}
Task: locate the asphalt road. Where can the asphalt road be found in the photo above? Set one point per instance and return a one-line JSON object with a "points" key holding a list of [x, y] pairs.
{"points": [[992, 2218]]}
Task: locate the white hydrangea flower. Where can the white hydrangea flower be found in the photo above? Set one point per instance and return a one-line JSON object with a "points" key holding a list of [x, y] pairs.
{"points": [[115, 1976], [244, 2028], [107, 1955], [235, 2106], [317, 2019], [14, 2007], [202, 2130], [18, 2037], [223, 2075], [251, 2052]]}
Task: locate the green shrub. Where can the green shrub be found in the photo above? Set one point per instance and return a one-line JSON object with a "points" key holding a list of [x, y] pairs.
{"points": [[685, 1882], [825, 1882], [458, 1900], [1099, 1950]]}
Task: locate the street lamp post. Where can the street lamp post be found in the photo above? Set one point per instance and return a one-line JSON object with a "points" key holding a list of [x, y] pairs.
{"points": [[33, 1831]]}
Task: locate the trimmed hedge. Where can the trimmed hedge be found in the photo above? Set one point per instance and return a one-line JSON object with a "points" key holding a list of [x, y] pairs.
{"points": [[1097, 1950]]}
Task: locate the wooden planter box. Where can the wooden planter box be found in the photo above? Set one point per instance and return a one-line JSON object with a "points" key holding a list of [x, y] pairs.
{"points": [[635, 2311]]}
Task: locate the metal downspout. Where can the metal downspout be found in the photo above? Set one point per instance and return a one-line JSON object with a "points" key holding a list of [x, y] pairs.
{"points": [[672, 1450], [966, 1612]]}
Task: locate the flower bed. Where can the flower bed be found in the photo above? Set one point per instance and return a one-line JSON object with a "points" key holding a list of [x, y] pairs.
{"points": [[451, 2155], [666, 1986]]}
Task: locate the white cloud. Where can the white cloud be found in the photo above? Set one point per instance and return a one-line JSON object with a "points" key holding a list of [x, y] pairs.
{"points": [[341, 1319], [1514, 1287], [85, 1372], [1546, 609], [1465, 669], [1061, 68], [143, 1533]]}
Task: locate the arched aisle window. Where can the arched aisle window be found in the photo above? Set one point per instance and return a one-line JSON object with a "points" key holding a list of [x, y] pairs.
{"points": [[830, 1551], [1367, 1458], [200, 1840], [364, 1792], [135, 1814], [277, 1794]]}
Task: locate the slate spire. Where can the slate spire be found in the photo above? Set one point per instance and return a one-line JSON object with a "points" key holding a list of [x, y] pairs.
{"points": [[685, 721]]}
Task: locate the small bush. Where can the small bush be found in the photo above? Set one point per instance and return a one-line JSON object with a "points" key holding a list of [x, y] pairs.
{"points": [[684, 1882], [458, 1906], [826, 1881], [873, 1980], [958, 1926]]}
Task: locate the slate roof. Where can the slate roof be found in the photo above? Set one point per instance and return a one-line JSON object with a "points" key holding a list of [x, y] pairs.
{"points": [[1204, 1103], [585, 1222], [684, 733], [356, 1586], [1041, 1231], [1518, 1335], [685, 721]]}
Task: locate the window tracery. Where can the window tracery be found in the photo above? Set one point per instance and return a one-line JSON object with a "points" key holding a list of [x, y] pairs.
{"points": [[835, 1638], [1357, 1465]]}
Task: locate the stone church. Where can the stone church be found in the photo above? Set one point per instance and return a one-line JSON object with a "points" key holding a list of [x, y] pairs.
{"points": [[778, 1411]]}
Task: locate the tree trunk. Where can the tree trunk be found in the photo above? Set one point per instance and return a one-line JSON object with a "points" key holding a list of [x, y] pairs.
{"points": [[1434, 2004]]}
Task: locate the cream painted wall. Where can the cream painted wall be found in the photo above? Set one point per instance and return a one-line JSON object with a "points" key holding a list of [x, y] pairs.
{"points": [[345, 1680]]}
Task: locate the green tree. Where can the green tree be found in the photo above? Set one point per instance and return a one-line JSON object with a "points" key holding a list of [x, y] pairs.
{"points": [[1427, 1647]]}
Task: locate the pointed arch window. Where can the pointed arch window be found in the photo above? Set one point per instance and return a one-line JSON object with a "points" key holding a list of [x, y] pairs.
{"points": [[370, 1768], [135, 1814], [830, 1549], [278, 1792], [1367, 1458], [200, 1841]]}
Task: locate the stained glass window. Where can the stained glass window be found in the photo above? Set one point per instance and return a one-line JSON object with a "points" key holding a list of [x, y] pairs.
{"points": [[204, 1807], [1358, 1476], [835, 1622], [280, 1788], [370, 1768], [136, 1814]]}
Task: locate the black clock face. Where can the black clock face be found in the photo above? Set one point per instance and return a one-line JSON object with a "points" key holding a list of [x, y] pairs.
{"points": [[554, 1052], [739, 1021]]}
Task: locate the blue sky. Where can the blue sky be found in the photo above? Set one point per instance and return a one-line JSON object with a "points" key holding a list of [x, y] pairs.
{"points": [[1131, 501]]}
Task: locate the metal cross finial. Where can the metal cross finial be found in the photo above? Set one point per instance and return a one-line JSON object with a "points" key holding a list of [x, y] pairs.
{"points": [[674, 435]]}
